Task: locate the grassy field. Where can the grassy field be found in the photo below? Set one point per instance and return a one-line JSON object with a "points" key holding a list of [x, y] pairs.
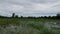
{"points": [[26, 26]]}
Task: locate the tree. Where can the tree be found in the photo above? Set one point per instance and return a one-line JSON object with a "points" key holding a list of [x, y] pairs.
{"points": [[13, 15], [49, 16], [21, 16], [16, 16], [58, 15], [45, 16]]}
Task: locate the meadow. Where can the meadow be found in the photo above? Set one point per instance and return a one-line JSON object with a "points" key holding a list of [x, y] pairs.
{"points": [[27, 26]]}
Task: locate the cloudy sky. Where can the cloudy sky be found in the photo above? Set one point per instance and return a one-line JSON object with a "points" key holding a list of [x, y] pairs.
{"points": [[29, 7]]}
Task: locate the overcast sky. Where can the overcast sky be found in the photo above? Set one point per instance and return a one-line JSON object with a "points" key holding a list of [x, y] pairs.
{"points": [[29, 7]]}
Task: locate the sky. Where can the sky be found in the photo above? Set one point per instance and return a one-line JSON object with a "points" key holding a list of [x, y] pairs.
{"points": [[29, 7]]}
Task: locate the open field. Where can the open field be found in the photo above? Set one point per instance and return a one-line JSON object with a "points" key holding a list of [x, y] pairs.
{"points": [[28, 26]]}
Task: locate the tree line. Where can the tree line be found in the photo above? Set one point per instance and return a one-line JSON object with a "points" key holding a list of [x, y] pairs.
{"points": [[16, 16]]}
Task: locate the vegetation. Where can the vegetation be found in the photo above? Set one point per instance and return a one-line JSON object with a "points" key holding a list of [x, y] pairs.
{"points": [[16, 16], [13, 15], [27, 25]]}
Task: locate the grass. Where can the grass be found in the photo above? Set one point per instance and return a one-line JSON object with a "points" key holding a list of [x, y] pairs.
{"points": [[26, 26]]}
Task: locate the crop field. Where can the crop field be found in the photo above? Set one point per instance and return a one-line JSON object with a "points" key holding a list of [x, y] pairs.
{"points": [[29, 26]]}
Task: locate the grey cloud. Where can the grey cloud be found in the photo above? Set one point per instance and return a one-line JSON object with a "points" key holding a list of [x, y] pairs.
{"points": [[29, 7], [44, 1]]}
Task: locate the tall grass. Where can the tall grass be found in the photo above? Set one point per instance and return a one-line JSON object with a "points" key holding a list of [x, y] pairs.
{"points": [[25, 26]]}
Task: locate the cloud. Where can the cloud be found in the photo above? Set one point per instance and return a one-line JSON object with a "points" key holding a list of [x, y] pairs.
{"points": [[29, 7]]}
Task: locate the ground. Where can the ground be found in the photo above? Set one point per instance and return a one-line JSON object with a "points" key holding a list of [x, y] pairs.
{"points": [[27, 26]]}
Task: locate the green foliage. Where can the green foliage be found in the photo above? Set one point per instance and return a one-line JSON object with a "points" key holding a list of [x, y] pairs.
{"points": [[28, 24]]}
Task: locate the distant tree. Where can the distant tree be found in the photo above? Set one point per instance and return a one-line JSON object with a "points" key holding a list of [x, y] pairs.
{"points": [[41, 17], [58, 15], [45, 16], [13, 15], [21, 16], [16, 16], [49, 16]]}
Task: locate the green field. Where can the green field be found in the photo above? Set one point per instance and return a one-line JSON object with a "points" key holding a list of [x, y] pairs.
{"points": [[26, 26]]}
